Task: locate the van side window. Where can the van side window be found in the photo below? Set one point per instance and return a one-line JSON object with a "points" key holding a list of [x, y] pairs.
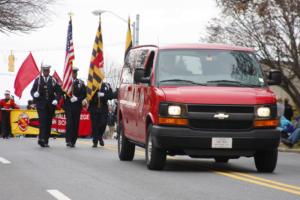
{"points": [[127, 74], [140, 58], [149, 64]]}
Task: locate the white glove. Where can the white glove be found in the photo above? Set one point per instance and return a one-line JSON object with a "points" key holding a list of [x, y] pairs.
{"points": [[54, 102], [73, 99], [100, 94], [36, 94], [84, 102]]}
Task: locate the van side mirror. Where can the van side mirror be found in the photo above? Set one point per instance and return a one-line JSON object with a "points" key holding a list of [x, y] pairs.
{"points": [[274, 77], [139, 74]]}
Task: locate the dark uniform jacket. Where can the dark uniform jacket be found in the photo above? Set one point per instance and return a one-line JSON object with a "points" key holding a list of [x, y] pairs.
{"points": [[99, 104], [48, 91], [79, 90]]}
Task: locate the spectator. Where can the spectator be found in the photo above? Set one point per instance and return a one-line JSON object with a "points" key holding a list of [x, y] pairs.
{"points": [[292, 139], [288, 109], [111, 120], [286, 127], [6, 105], [31, 105]]}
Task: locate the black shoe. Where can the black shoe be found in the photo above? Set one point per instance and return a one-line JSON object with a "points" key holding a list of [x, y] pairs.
{"points": [[287, 142], [94, 145], [68, 144], [101, 142], [47, 145], [41, 143], [72, 145]]}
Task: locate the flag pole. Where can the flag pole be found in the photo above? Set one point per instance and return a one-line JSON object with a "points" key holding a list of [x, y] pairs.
{"points": [[72, 89], [39, 83]]}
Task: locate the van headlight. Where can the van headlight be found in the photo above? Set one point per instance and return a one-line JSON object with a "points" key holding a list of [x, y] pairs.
{"points": [[263, 112], [174, 110], [172, 114]]}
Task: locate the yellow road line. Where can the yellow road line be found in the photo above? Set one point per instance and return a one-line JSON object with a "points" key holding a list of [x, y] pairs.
{"points": [[228, 174], [234, 175], [266, 180]]}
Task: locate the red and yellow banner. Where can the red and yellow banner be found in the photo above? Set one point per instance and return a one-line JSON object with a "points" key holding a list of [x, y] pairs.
{"points": [[26, 122]]}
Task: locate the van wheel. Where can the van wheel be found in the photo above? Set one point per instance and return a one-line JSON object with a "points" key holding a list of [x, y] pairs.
{"points": [[265, 161], [155, 157], [221, 159], [126, 149]]}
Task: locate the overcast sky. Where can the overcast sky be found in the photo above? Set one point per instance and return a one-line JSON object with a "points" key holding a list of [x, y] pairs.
{"points": [[161, 22]]}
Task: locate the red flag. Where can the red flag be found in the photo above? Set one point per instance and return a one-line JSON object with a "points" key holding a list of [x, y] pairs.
{"points": [[57, 78], [27, 73]]}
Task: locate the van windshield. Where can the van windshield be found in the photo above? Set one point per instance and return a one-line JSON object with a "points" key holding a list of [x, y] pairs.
{"points": [[209, 67]]}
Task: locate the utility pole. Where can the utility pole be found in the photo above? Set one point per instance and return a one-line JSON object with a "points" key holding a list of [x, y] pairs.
{"points": [[137, 29]]}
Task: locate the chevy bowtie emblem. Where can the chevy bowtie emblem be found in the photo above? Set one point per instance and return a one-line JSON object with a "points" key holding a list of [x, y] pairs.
{"points": [[221, 116]]}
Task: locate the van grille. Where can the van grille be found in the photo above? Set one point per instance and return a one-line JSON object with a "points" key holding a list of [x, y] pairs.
{"points": [[220, 108], [211, 123], [220, 125]]}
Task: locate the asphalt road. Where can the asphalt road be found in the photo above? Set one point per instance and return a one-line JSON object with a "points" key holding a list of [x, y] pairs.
{"points": [[30, 172]]}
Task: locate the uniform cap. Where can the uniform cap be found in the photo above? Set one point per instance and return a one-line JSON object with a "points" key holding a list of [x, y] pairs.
{"points": [[46, 67], [75, 69], [7, 92]]}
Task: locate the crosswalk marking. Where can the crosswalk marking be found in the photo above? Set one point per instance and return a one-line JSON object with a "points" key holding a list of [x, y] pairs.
{"points": [[4, 161], [58, 195]]}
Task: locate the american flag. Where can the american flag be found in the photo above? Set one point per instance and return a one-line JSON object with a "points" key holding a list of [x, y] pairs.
{"points": [[68, 68]]}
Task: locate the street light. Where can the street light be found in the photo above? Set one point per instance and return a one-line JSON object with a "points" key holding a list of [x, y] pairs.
{"points": [[135, 25]]}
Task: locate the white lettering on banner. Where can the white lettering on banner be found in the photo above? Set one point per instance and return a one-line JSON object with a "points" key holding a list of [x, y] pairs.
{"points": [[61, 130], [85, 117], [61, 122]]}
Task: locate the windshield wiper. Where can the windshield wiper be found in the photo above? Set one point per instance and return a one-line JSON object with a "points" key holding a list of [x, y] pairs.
{"points": [[231, 82], [181, 80]]}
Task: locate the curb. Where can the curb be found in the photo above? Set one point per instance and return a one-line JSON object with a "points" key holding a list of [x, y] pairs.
{"points": [[290, 150]]}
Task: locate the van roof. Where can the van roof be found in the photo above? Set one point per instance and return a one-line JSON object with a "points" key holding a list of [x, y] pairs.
{"points": [[207, 46]]}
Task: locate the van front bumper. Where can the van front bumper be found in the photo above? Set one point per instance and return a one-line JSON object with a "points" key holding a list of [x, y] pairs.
{"points": [[199, 142]]}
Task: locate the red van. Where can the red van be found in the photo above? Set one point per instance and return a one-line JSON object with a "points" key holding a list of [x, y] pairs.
{"points": [[204, 101]]}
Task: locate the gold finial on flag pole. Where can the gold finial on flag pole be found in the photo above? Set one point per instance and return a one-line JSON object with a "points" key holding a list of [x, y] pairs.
{"points": [[98, 12], [70, 14]]}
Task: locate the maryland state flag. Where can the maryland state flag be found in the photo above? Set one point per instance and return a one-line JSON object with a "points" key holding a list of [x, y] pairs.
{"points": [[96, 74], [128, 44]]}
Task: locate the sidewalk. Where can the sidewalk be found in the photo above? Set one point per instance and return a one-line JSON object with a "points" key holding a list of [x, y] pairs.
{"points": [[283, 148]]}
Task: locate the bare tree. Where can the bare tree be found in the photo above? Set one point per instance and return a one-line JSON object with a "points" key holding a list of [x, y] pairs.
{"points": [[23, 15], [272, 27]]}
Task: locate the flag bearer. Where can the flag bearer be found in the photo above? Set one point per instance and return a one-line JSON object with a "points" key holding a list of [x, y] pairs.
{"points": [[72, 107], [45, 92], [98, 109]]}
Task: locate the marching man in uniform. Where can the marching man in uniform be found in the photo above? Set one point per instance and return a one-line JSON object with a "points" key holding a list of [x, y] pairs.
{"points": [[45, 92], [72, 107], [6, 105], [98, 109]]}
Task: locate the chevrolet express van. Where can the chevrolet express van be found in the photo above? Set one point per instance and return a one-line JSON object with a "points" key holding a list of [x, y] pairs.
{"points": [[204, 101]]}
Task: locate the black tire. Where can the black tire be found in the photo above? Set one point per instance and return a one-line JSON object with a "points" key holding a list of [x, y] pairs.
{"points": [[155, 157], [221, 159], [126, 149], [266, 161]]}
